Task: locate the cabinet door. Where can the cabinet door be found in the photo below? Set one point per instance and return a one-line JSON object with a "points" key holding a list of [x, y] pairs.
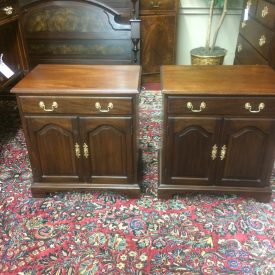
{"points": [[248, 152], [191, 151], [107, 149], [52, 143], [158, 41]]}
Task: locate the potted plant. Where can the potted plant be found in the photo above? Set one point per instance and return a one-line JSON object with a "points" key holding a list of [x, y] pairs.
{"points": [[211, 54]]}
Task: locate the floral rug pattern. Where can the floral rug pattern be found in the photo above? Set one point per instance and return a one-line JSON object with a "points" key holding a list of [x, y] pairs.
{"points": [[106, 233]]}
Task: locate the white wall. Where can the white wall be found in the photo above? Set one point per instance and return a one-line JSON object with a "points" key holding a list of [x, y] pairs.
{"points": [[192, 27]]}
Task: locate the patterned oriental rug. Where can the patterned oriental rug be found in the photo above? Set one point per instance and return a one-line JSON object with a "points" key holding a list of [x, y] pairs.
{"points": [[106, 233]]}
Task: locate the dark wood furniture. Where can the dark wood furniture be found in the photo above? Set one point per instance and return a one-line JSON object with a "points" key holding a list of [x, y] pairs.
{"points": [[81, 32], [158, 34], [11, 45], [80, 126], [219, 129], [256, 41]]}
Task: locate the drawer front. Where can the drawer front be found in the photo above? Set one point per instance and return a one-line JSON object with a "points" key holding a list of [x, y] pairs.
{"points": [[258, 35], [246, 54], [244, 106], [7, 9], [266, 13], [158, 5], [76, 105]]}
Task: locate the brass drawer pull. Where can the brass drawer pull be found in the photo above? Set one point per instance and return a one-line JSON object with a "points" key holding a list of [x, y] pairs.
{"points": [[77, 150], [262, 40], [223, 152], [8, 10], [214, 152], [155, 4], [248, 106], [43, 107], [109, 107], [86, 150], [265, 11], [190, 106], [240, 47]]}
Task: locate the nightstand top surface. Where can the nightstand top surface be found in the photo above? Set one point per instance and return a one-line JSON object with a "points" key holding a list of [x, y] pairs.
{"points": [[218, 80], [85, 79]]}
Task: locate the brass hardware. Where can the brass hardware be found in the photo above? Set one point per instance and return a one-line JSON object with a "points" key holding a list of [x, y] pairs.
{"points": [[109, 107], [248, 106], [214, 151], [155, 4], [262, 40], [265, 11], [223, 152], [43, 107], [240, 47], [77, 150], [8, 10], [190, 106], [86, 150]]}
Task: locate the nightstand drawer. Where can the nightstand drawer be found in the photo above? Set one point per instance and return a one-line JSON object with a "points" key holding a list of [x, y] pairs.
{"points": [[257, 106], [158, 5], [79, 105], [8, 9]]}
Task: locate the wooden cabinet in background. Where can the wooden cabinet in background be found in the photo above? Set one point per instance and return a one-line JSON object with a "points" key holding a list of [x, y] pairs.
{"points": [[81, 127], [256, 41], [11, 45], [218, 136], [158, 34]]}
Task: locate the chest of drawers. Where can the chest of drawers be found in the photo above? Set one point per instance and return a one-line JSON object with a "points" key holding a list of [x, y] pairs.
{"points": [[219, 130], [80, 127], [256, 41]]}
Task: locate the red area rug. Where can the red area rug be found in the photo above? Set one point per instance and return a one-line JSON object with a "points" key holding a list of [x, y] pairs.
{"points": [[105, 233]]}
